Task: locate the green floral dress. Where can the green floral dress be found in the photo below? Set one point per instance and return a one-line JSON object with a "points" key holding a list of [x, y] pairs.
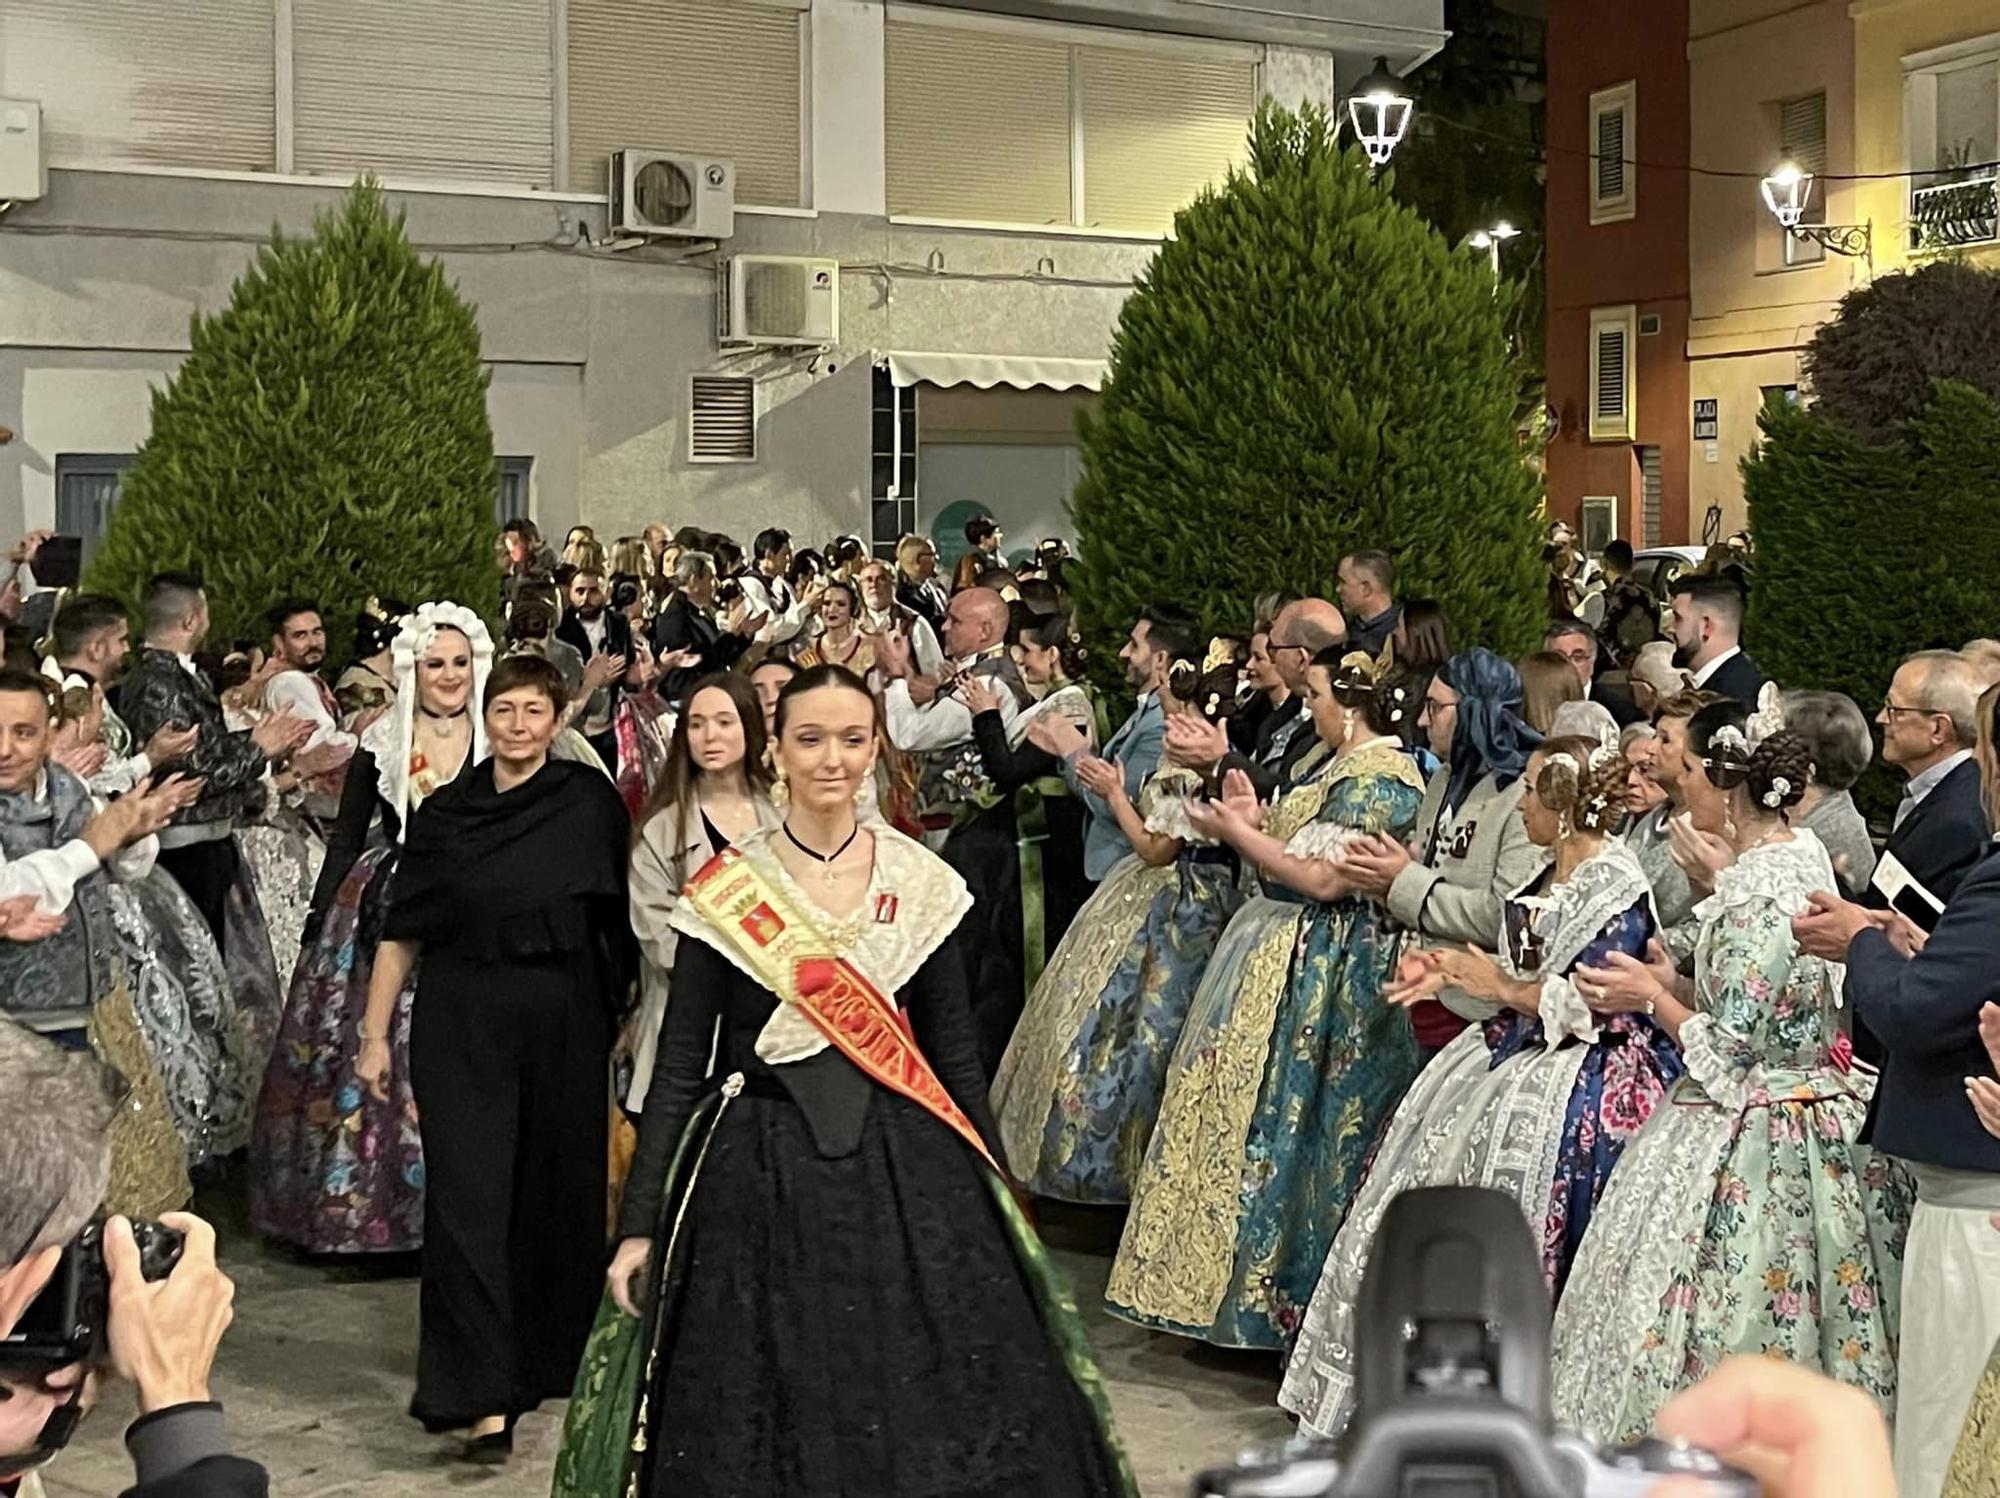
{"points": [[1745, 1218]]}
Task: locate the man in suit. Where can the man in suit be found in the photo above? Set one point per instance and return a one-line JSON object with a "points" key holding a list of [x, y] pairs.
{"points": [[788, 612], [917, 584], [1708, 639], [688, 638], [1367, 582], [1573, 640], [55, 1160], [1924, 998], [166, 689], [1929, 724], [603, 637], [1156, 640]]}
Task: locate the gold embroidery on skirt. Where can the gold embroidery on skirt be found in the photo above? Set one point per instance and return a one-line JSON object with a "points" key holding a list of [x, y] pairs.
{"points": [[148, 1158], [1097, 941]]}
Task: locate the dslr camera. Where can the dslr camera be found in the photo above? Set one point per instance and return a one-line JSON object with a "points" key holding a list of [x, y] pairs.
{"points": [[1451, 1342], [68, 1322]]}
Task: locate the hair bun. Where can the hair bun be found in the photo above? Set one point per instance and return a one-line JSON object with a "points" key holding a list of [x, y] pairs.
{"points": [[1781, 769]]}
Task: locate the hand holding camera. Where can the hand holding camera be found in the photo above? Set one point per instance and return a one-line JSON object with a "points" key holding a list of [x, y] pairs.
{"points": [[162, 1334]]}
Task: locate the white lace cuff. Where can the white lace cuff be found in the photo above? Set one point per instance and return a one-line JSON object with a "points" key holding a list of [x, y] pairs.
{"points": [[1564, 1013], [1325, 841], [1723, 1080], [1169, 818]]}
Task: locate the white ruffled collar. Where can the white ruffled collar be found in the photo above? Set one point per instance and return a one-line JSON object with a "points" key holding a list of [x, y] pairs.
{"points": [[1574, 913], [1784, 874]]}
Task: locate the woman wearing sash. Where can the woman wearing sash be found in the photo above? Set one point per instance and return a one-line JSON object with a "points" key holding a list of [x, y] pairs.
{"points": [[823, 1284], [1291, 1057]]}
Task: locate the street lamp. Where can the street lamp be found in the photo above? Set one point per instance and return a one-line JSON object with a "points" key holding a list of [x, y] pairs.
{"points": [[1491, 240], [1379, 110], [1788, 191]]}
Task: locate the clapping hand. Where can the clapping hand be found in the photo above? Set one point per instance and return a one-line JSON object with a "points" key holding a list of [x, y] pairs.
{"points": [[1701, 855], [1828, 926], [601, 670], [1372, 863], [977, 696], [1058, 736], [1419, 975], [1982, 1092], [281, 733], [170, 743], [1627, 985], [1240, 797], [1101, 777], [1194, 743], [892, 653], [23, 551], [20, 920], [81, 759]]}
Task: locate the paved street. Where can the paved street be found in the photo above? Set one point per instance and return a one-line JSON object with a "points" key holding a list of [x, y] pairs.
{"points": [[317, 1370]]}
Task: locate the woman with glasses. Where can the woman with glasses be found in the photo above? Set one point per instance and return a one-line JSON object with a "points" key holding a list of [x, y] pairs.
{"points": [[1745, 1218]]}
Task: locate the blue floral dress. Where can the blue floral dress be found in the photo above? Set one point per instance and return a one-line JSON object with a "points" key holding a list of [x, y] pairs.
{"points": [[1079, 1087], [1745, 1218], [1289, 1063], [1539, 1106]]}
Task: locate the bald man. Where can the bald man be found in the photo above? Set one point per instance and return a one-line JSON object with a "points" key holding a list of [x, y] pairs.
{"points": [[1300, 632], [930, 721]]}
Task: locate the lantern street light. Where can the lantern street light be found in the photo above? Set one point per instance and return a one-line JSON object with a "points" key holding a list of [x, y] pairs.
{"points": [[1788, 191], [1491, 239], [1379, 109]]}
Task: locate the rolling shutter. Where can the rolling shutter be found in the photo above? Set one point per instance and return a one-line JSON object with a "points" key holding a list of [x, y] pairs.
{"points": [[455, 89], [1157, 128], [709, 77], [145, 83], [978, 125]]}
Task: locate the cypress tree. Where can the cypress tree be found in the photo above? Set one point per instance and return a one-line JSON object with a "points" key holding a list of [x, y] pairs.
{"points": [[327, 436], [1304, 369]]}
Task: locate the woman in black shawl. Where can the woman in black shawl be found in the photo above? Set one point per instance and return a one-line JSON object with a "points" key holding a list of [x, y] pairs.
{"points": [[512, 888]]}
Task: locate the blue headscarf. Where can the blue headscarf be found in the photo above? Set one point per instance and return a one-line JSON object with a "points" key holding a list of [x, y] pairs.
{"points": [[1492, 738]]}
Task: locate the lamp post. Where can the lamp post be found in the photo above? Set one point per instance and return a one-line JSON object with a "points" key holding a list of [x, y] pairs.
{"points": [[1378, 111], [1491, 239], [1788, 191]]}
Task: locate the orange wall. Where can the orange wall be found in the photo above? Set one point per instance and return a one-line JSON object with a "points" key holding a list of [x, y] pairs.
{"points": [[1642, 260]]}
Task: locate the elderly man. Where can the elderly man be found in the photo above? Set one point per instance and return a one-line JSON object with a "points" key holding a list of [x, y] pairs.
{"points": [[56, 1109], [930, 720], [1367, 595], [1929, 723], [883, 614], [689, 639], [1574, 641]]}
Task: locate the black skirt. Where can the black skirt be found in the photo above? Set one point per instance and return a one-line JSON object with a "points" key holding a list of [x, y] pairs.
{"points": [[859, 1325]]}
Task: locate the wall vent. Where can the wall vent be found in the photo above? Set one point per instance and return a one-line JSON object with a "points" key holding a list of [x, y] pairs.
{"points": [[722, 419]]}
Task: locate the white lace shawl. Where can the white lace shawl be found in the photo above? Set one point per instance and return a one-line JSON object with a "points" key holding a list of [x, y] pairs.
{"points": [[1163, 802], [1567, 920], [927, 895]]}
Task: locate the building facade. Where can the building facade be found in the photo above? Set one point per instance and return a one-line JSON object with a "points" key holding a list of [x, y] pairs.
{"points": [[989, 178], [1892, 105]]}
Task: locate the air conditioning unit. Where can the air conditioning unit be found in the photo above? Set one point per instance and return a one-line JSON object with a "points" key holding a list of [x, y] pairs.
{"points": [[660, 193], [24, 175], [782, 301]]}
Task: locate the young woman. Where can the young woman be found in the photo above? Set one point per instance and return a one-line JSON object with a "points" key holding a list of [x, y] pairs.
{"points": [[715, 790], [332, 1169], [512, 893], [1744, 1219], [1269, 689], [841, 641], [824, 1285], [369, 685], [1541, 1099], [1290, 1056], [1079, 1087], [1050, 820]]}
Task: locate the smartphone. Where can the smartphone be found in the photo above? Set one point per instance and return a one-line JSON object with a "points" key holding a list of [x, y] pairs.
{"points": [[59, 562]]}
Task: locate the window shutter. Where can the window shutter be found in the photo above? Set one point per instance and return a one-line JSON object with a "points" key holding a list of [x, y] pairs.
{"points": [[710, 77], [1611, 357], [978, 125], [722, 419], [1802, 133], [456, 89], [139, 83], [87, 488], [1610, 159], [1157, 129]]}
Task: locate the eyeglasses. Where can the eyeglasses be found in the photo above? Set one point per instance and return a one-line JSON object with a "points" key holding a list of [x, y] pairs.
{"points": [[1274, 648], [1890, 707], [1431, 705]]}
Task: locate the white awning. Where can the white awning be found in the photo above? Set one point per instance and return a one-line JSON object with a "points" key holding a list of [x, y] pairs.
{"points": [[1022, 371]]}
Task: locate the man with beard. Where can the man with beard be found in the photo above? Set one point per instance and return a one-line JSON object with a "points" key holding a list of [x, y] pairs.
{"points": [[298, 647], [1708, 638], [881, 614], [603, 637], [166, 689], [90, 645]]}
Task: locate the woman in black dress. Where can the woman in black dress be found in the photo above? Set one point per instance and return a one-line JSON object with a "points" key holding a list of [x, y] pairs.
{"points": [[839, 1295], [512, 889]]}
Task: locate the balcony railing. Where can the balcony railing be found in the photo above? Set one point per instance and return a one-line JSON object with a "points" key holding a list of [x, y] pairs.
{"points": [[1951, 214]]}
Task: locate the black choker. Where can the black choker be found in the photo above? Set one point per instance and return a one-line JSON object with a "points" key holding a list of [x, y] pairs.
{"points": [[826, 859], [441, 717]]}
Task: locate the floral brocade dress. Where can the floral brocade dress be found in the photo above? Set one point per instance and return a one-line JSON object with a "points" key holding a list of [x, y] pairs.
{"points": [[1540, 1107], [1080, 1085], [1288, 1064], [1745, 1218]]}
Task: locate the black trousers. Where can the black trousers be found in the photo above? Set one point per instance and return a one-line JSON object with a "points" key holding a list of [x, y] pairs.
{"points": [[206, 872]]}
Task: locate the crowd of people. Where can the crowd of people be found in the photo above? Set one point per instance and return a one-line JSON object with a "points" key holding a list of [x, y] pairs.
{"points": [[776, 922]]}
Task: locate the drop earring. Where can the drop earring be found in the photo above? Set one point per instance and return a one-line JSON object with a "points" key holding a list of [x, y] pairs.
{"points": [[781, 789]]}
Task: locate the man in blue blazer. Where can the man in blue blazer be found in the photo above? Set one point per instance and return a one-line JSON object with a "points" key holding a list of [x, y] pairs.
{"points": [[1156, 640], [1922, 998]]}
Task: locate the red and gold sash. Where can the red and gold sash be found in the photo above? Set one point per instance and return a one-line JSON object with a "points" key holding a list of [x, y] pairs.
{"points": [[777, 939]]}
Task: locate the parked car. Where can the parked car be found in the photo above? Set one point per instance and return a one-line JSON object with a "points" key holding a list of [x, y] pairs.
{"points": [[1655, 568]]}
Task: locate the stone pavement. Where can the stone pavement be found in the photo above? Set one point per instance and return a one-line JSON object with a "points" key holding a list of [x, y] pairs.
{"points": [[316, 1373]]}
